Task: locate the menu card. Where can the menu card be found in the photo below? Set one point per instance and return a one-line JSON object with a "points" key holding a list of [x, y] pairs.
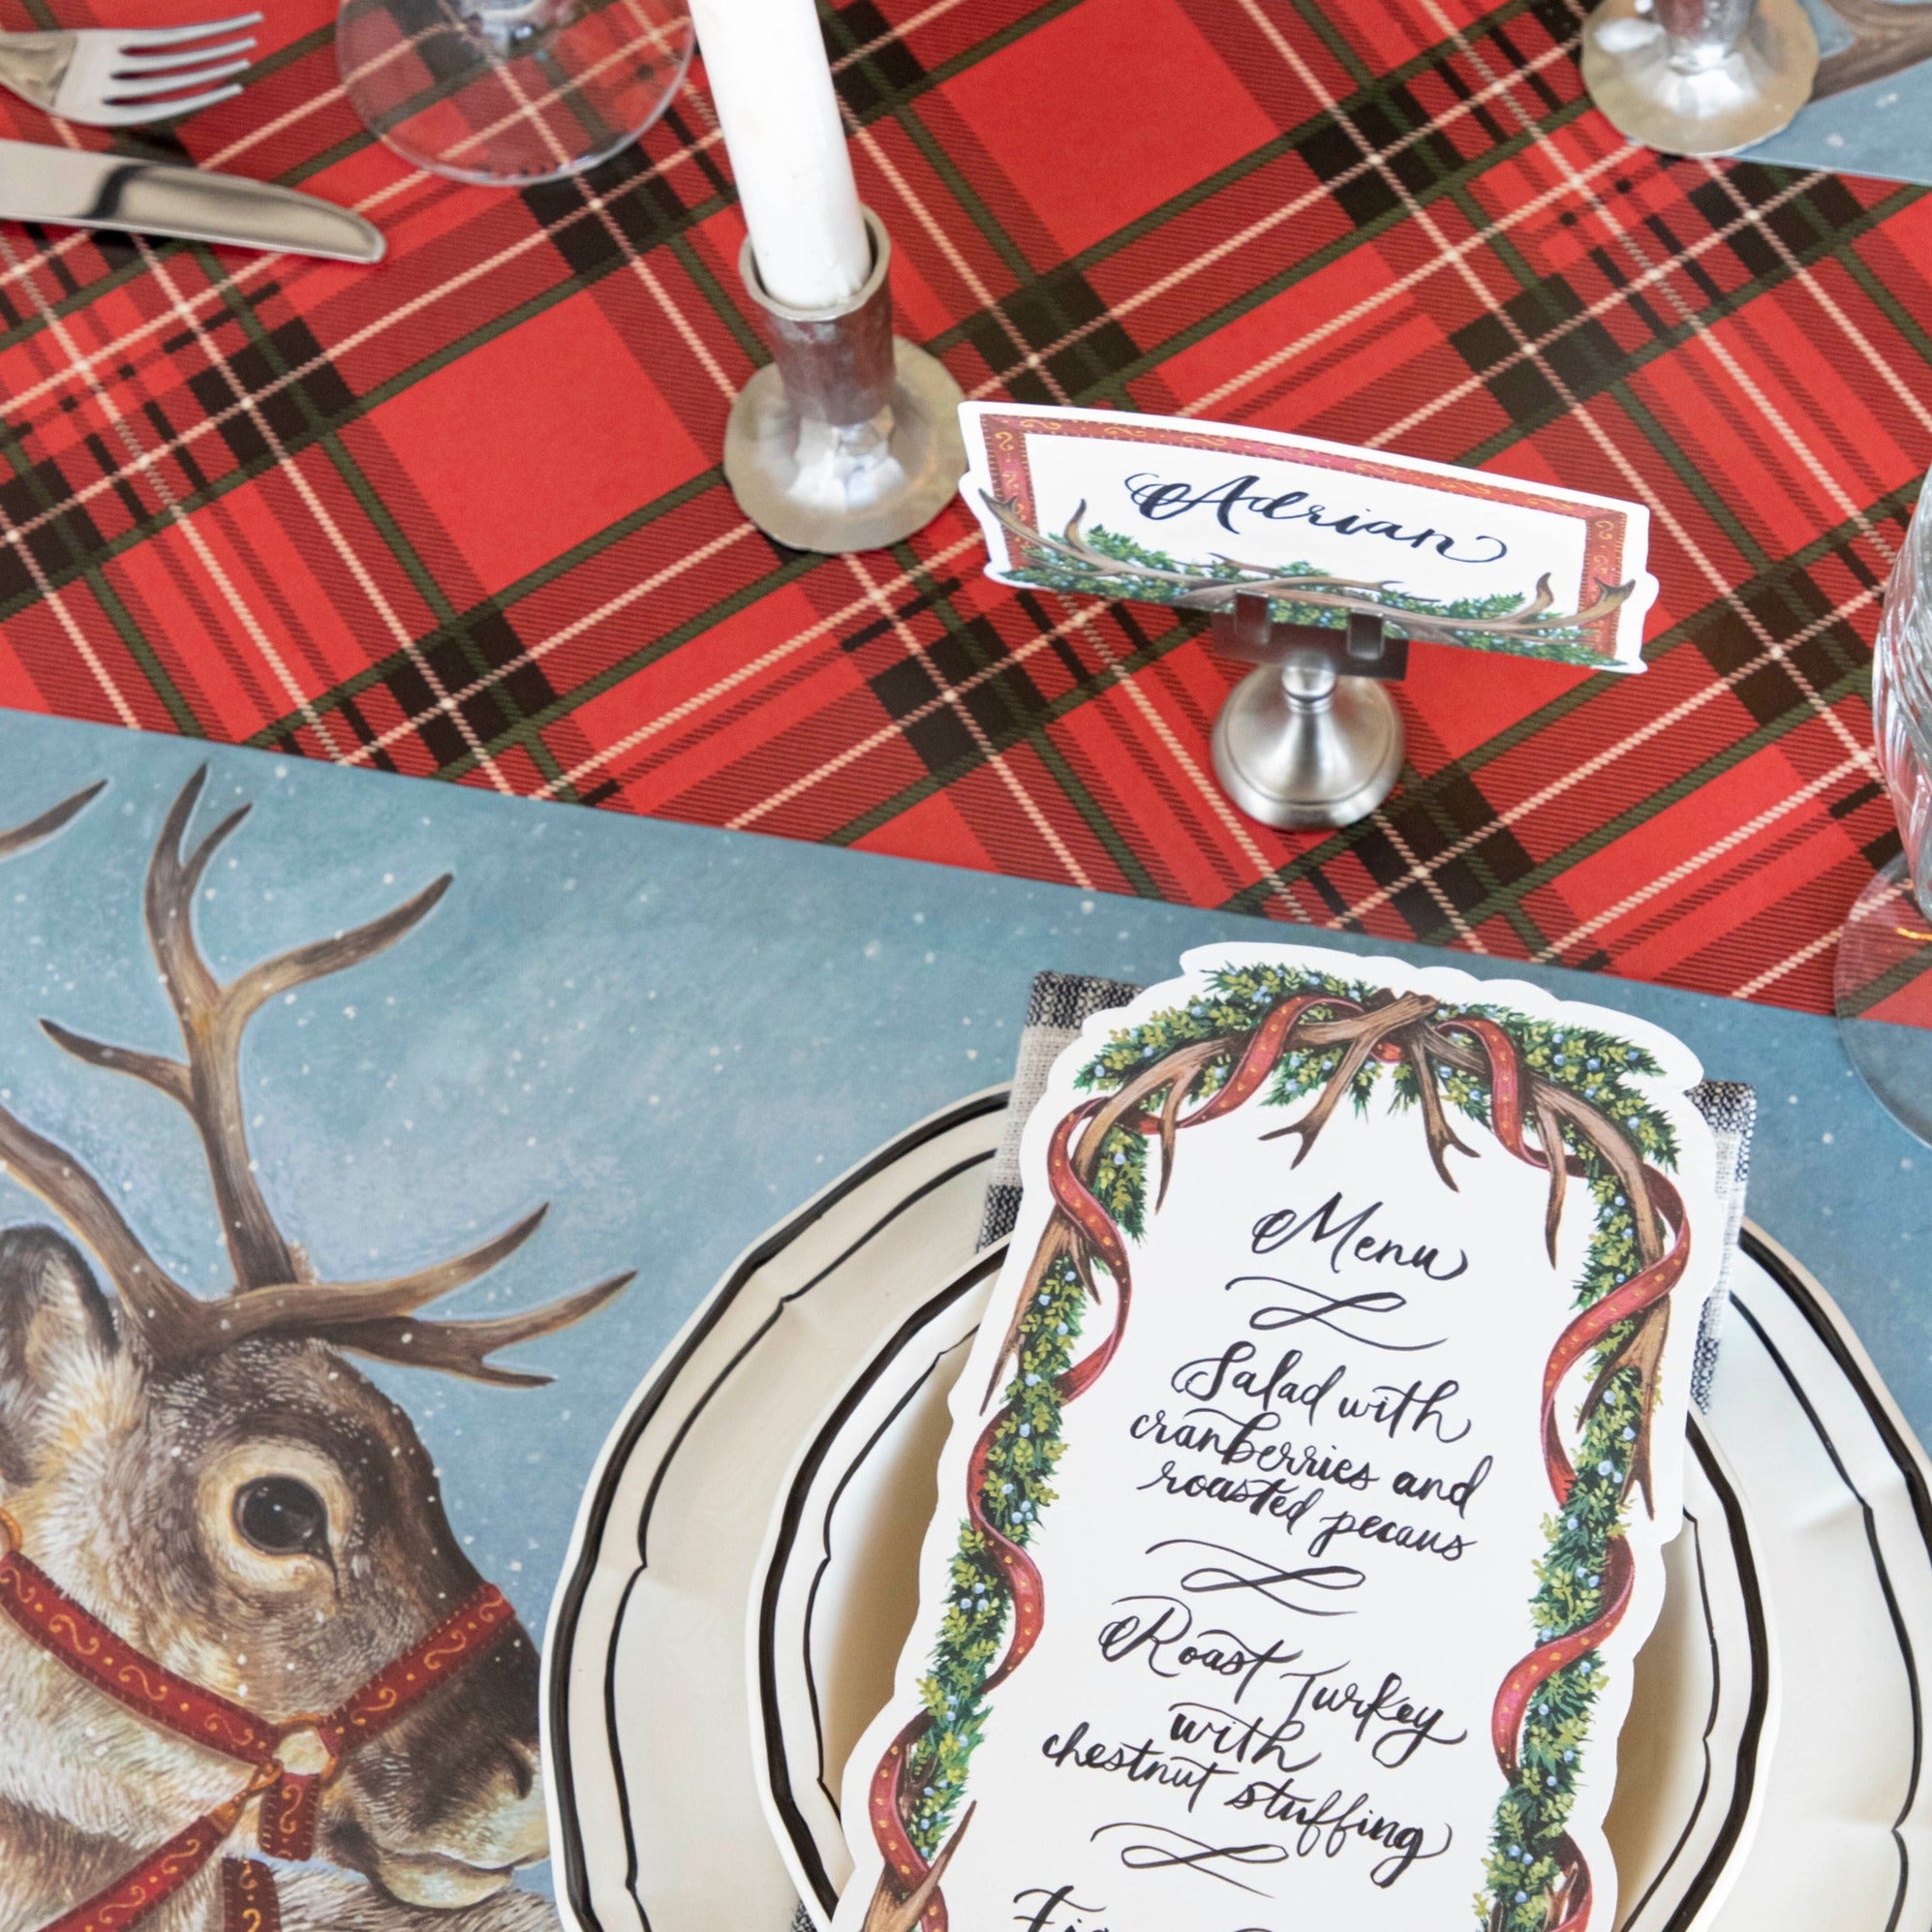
{"points": [[1302, 1510]]}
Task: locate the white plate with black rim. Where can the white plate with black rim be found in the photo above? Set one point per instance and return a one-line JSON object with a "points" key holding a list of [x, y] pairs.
{"points": [[1840, 1497], [662, 1760]]}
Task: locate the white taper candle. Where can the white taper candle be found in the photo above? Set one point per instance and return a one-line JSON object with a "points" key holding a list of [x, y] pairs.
{"points": [[772, 86]]}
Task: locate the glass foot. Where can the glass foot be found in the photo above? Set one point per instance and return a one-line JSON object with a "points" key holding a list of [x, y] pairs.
{"points": [[1885, 998], [505, 92]]}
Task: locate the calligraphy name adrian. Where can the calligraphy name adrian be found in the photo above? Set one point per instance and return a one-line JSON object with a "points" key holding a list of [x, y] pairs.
{"points": [[1160, 500]]}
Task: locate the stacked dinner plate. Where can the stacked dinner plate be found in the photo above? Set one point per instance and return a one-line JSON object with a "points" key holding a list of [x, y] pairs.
{"points": [[744, 1576]]}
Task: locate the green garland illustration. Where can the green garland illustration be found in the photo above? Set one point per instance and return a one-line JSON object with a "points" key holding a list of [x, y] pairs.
{"points": [[1103, 563], [1560, 1096]]}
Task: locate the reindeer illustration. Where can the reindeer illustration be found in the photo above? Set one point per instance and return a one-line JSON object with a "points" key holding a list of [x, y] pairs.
{"points": [[234, 1611]]}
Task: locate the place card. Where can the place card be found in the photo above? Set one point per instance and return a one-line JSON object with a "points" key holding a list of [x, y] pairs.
{"points": [[1166, 510], [1303, 1505]]}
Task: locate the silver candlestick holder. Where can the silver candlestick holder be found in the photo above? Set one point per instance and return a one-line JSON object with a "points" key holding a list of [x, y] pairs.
{"points": [[850, 438], [1700, 76], [1311, 738]]}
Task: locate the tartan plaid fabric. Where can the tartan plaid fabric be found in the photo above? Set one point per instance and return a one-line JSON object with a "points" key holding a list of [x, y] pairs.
{"points": [[461, 515]]}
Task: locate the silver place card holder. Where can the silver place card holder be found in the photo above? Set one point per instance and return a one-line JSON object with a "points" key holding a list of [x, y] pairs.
{"points": [[1311, 737]]}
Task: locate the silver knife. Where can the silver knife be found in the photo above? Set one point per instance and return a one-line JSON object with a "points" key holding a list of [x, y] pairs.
{"points": [[70, 189]]}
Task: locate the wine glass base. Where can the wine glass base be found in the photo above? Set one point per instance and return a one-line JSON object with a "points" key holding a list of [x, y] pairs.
{"points": [[1885, 998], [503, 93], [1729, 104]]}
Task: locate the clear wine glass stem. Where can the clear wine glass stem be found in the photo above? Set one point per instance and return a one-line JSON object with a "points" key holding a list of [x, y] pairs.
{"points": [[501, 19]]}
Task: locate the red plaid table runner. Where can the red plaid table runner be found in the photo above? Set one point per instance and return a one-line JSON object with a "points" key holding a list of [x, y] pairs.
{"points": [[461, 515]]}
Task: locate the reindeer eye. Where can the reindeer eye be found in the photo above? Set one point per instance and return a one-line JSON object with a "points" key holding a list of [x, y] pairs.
{"points": [[282, 1517]]}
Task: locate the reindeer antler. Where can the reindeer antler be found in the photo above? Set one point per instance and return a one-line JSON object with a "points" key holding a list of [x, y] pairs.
{"points": [[152, 1296], [208, 1082], [49, 822], [274, 1292]]}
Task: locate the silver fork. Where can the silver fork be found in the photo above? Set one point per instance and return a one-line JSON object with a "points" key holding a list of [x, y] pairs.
{"points": [[114, 79]]}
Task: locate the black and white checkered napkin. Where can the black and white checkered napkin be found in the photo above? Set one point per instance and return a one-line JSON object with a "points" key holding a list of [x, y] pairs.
{"points": [[1061, 1001]]}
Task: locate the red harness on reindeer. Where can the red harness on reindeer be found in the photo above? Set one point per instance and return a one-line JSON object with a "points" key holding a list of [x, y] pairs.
{"points": [[291, 1800]]}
